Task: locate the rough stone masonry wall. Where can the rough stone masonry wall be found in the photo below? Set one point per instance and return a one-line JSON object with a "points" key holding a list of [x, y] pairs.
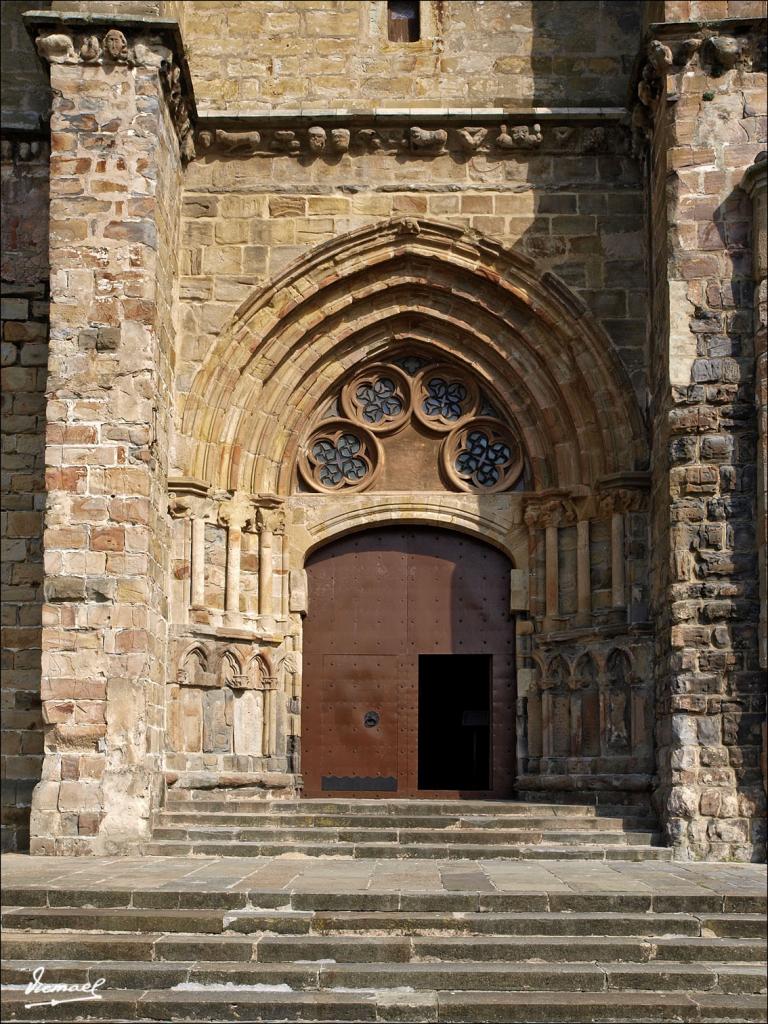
{"points": [[320, 54], [708, 103], [115, 185]]}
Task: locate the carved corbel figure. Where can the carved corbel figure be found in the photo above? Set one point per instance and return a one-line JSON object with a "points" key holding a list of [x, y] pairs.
{"points": [[519, 135], [594, 139], [116, 47], [659, 56], [56, 48], [532, 516], [234, 142], [407, 226], [90, 50], [340, 140], [471, 138], [528, 137], [559, 512], [686, 51], [285, 141], [369, 138], [722, 53], [423, 140], [316, 139]]}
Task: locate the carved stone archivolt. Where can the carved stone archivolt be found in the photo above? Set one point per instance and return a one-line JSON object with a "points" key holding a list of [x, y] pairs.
{"points": [[475, 448]]}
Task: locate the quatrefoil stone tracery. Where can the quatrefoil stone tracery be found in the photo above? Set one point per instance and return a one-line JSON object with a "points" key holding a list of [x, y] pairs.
{"points": [[379, 397], [479, 453], [339, 456]]}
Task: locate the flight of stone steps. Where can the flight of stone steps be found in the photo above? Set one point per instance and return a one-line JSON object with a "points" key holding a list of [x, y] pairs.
{"points": [[222, 823], [181, 955]]}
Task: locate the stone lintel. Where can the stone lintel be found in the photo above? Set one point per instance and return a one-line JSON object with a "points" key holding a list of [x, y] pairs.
{"points": [[585, 634], [226, 632], [188, 485]]}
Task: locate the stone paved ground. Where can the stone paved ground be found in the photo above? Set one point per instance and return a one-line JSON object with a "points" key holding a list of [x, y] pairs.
{"points": [[343, 874], [297, 938]]}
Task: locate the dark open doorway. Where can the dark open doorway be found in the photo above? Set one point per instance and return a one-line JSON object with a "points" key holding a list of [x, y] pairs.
{"points": [[454, 721]]}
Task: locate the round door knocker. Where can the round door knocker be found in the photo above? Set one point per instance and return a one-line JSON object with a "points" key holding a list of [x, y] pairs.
{"points": [[370, 719]]}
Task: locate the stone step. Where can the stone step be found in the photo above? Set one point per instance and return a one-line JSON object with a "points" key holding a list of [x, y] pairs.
{"points": [[234, 1004], [538, 851], [246, 820], [732, 906], [178, 946], [213, 800], [305, 922], [491, 977], [501, 837]]}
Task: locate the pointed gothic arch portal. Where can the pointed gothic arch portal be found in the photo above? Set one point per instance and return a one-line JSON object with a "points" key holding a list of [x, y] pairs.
{"points": [[409, 667]]}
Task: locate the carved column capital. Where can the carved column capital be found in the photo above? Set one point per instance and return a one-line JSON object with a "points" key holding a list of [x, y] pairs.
{"points": [[550, 512], [622, 499], [237, 512]]}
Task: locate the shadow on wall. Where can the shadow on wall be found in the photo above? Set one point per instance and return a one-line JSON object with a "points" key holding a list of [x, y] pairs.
{"points": [[580, 190], [24, 173]]}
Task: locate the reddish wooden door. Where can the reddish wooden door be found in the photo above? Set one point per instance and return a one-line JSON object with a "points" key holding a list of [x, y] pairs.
{"points": [[378, 602]]}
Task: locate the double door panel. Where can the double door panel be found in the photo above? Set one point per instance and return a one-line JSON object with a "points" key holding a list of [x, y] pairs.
{"points": [[378, 601]]}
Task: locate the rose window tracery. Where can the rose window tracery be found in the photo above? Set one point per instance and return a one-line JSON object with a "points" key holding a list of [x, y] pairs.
{"points": [[378, 400], [339, 456], [443, 404], [444, 399], [483, 456]]}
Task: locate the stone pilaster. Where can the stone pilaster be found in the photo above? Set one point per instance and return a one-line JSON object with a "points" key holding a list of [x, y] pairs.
{"points": [[115, 138], [701, 94]]}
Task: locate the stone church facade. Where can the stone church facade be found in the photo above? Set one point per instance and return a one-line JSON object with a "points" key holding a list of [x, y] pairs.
{"points": [[282, 277]]}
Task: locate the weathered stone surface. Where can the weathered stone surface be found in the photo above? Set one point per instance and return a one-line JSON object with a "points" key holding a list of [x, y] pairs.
{"points": [[204, 313]]}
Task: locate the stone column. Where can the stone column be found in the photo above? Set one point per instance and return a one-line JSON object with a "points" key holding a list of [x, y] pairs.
{"points": [[285, 565], [618, 585], [583, 569], [270, 523], [197, 569], [114, 212], [265, 567], [754, 184], [552, 587], [235, 513], [269, 746]]}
